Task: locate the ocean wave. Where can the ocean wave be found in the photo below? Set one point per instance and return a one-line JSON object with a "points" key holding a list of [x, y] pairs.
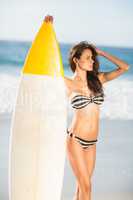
{"points": [[118, 102]]}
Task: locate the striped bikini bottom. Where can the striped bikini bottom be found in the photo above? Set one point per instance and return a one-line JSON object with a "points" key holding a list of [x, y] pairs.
{"points": [[84, 143]]}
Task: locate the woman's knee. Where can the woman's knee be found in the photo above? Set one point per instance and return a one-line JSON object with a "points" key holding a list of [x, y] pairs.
{"points": [[85, 185]]}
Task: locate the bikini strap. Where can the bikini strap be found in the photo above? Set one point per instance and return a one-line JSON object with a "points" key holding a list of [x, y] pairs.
{"points": [[70, 134]]}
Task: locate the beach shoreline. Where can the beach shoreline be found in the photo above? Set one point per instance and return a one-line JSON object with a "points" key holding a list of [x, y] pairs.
{"points": [[113, 175]]}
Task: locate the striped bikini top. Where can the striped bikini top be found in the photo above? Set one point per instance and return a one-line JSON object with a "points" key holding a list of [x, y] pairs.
{"points": [[80, 101]]}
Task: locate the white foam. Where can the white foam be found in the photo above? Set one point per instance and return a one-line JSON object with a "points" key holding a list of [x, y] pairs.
{"points": [[8, 92], [118, 102]]}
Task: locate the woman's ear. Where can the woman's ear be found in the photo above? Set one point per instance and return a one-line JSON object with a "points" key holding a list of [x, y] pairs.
{"points": [[75, 60]]}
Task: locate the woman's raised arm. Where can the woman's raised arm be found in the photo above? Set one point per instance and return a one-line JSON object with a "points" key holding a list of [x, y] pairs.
{"points": [[122, 66]]}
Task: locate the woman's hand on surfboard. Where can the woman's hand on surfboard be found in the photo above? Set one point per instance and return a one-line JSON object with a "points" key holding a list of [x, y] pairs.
{"points": [[48, 18]]}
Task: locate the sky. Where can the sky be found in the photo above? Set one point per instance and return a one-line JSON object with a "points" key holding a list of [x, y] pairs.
{"points": [[101, 22]]}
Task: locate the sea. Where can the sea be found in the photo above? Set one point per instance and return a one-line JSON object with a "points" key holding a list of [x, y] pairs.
{"points": [[118, 92]]}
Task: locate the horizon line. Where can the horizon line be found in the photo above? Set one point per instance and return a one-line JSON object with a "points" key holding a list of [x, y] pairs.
{"points": [[67, 43]]}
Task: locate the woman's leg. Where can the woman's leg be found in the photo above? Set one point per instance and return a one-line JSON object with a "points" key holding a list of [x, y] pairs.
{"points": [[78, 161], [76, 195], [90, 157]]}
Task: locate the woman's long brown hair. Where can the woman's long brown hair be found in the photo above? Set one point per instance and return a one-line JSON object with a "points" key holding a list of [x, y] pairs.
{"points": [[93, 81]]}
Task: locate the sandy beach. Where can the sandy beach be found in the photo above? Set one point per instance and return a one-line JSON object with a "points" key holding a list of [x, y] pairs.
{"points": [[113, 175]]}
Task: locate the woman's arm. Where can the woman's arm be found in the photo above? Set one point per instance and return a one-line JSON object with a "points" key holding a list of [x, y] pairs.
{"points": [[122, 66]]}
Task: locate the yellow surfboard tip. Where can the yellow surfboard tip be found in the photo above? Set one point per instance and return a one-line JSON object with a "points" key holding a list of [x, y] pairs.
{"points": [[44, 56]]}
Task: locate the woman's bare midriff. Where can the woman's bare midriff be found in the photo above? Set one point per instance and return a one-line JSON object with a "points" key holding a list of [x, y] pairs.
{"points": [[85, 122]]}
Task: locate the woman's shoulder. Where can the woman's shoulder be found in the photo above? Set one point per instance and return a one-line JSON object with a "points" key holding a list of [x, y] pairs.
{"points": [[69, 82]]}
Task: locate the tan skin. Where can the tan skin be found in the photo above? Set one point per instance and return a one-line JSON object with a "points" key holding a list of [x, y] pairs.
{"points": [[85, 122]]}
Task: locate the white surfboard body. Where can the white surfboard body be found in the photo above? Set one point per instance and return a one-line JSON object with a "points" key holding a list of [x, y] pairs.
{"points": [[38, 132]]}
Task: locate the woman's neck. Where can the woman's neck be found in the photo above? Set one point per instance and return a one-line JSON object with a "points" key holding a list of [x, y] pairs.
{"points": [[80, 76]]}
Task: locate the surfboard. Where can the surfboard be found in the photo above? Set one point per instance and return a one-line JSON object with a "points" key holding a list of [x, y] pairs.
{"points": [[37, 143]]}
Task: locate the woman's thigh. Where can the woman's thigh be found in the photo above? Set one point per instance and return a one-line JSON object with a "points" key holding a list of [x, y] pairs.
{"points": [[81, 157], [78, 160], [90, 158]]}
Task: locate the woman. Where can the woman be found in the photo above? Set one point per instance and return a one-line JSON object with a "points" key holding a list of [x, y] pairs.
{"points": [[85, 91]]}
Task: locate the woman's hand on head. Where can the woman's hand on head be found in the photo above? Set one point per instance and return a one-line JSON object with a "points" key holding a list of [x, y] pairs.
{"points": [[99, 52], [48, 18]]}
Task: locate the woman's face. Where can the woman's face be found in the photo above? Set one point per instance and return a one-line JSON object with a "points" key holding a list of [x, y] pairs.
{"points": [[86, 62]]}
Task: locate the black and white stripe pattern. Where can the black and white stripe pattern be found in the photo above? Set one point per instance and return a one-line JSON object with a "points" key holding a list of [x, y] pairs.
{"points": [[84, 143], [80, 101]]}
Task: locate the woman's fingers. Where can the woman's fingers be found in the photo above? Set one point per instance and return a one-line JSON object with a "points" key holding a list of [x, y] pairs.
{"points": [[48, 18], [99, 51]]}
